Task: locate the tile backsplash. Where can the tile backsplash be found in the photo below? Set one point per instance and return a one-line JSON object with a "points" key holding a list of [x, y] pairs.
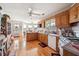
{"points": [[76, 29]]}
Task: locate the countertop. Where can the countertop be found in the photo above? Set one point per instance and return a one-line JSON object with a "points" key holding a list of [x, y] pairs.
{"points": [[53, 34], [71, 49], [45, 33]]}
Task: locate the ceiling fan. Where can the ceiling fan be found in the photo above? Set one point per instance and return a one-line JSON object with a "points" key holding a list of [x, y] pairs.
{"points": [[32, 12]]}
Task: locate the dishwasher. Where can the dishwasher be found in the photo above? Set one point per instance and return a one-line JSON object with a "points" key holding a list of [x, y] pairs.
{"points": [[52, 41]]}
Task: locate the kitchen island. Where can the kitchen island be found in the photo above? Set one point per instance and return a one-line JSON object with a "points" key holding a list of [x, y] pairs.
{"points": [[37, 36], [31, 36]]}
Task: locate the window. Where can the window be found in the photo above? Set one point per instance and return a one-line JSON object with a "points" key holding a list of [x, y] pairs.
{"points": [[30, 26], [50, 23], [35, 26]]}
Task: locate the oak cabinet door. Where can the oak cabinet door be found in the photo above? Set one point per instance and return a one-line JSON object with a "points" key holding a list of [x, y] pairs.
{"points": [[46, 39], [73, 14], [40, 37], [65, 19], [58, 21], [62, 20], [78, 13]]}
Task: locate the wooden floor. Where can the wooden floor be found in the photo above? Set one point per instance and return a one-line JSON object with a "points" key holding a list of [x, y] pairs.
{"points": [[30, 49]]}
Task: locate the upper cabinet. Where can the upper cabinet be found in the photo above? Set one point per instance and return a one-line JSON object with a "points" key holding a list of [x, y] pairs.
{"points": [[58, 20], [65, 19], [62, 19], [41, 24], [74, 14]]}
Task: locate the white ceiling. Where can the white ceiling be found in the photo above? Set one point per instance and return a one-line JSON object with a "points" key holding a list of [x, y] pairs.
{"points": [[18, 11]]}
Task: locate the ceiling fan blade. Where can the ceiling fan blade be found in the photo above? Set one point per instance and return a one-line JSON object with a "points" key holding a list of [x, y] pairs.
{"points": [[29, 9], [37, 13], [31, 12]]}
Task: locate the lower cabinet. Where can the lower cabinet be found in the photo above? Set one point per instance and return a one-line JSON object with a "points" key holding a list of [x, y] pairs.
{"points": [[43, 38], [37, 36], [67, 53], [31, 36]]}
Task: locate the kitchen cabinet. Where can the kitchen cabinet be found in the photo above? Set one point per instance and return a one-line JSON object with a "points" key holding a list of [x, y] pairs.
{"points": [[46, 39], [65, 19], [43, 38], [31, 36], [39, 36], [62, 19], [78, 12], [73, 14], [58, 22], [41, 24], [67, 53]]}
